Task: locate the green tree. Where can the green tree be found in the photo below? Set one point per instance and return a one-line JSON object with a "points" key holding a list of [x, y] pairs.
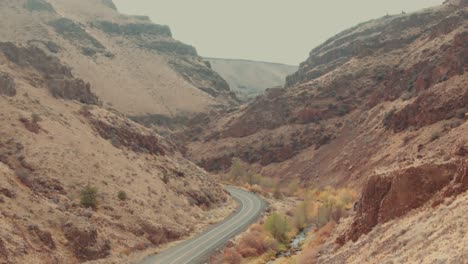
{"points": [[237, 170], [277, 192], [278, 226], [89, 197], [301, 216], [293, 186]]}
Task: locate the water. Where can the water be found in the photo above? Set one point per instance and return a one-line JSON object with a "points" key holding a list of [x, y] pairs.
{"points": [[294, 246]]}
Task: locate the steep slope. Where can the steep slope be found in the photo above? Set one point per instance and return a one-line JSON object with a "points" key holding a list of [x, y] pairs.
{"points": [[388, 92], [381, 107], [132, 64], [55, 140], [251, 78]]}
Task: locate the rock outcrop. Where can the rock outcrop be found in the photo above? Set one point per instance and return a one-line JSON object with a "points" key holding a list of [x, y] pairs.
{"points": [[119, 53], [7, 85], [52, 73], [397, 73], [386, 197], [84, 241]]}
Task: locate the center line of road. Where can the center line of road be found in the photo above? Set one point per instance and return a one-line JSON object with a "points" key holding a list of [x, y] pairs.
{"points": [[227, 235], [250, 208], [184, 247]]}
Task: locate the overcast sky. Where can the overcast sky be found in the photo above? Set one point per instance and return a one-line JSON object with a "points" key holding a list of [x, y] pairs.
{"points": [[267, 30]]}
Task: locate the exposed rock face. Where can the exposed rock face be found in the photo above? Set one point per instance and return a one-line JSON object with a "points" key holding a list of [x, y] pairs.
{"points": [[35, 58], [456, 2], [44, 236], [39, 6], [52, 149], [77, 35], [122, 136], [386, 197], [7, 85], [195, 71], [159, 235], [352, 86], [133, 29], [110, 4], [72, 89], [83, 240], [56, 77]]}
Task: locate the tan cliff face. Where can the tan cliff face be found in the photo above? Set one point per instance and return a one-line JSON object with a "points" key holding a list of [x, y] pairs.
{"points": [[56, 139], [131, 63]]}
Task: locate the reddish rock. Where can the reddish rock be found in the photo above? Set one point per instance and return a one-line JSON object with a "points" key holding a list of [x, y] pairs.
{"points": [[44, 236], [130, 138], [461, 150], [8, 193], [3, 249], [30, 125], [83, 241], [57, 77], [390, 196], [158, 234]]}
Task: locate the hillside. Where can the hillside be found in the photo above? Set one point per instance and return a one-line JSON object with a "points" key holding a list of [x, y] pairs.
{"points": [[132, 64], [79, 181], [351, 104], [249, 79], [381, 107]]}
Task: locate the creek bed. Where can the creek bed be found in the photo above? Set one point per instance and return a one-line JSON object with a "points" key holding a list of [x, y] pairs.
{"points": [[294, 245]]}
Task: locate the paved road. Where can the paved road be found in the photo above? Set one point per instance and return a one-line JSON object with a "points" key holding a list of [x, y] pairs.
{"points": [[198, 249]]}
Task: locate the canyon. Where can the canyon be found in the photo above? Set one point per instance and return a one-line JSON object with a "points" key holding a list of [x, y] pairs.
{"points": [[115, 137]]}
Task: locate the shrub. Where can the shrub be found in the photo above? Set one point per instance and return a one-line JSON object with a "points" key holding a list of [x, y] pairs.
{"points": [[293, 187], [255, 189], [35, 118], [311, 250], [165, 178], [277, 192], [122, 195], [461, 113], [252, 244], [435, 136], [301, 216], [237, 170], [231, 256], [278, 226], [89, 197], [388, 118]]}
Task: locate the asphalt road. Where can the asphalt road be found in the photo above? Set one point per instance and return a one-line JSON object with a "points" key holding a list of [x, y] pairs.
{"points": [[200, 248]]}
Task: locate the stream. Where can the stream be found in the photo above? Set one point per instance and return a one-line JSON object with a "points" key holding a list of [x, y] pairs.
{"points": [[294, 246]]}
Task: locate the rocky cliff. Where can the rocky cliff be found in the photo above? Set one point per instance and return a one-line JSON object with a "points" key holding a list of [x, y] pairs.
{"points": [[398, 78], [132, 64], [80, 181], [380, 107]]}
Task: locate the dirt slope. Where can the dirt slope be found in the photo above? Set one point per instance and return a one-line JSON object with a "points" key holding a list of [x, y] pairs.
{"points": [[251, 78], [56, 139], [132, 64]]}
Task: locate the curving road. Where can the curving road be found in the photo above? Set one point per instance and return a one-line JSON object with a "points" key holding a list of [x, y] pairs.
{"points": [[198, 249]]}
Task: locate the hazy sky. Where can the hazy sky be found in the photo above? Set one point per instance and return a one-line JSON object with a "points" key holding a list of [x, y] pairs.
{"points": [[266, 30]]}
